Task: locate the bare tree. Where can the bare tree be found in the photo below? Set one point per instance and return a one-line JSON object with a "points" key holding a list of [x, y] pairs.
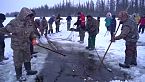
{"points": [[97, 8]]}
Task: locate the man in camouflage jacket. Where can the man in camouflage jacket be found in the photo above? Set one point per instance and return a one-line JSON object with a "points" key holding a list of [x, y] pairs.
{"points": [[129, 32], [21, 29]]}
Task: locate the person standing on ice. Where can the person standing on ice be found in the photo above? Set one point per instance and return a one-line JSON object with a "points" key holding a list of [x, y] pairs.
{"points": [[113, 26], [57, 22], [108, 20], [50, 22], [2, 42], [141, 24], [43, 26], [81, 26], [21, 28], [129, 32], [69, 18], [37, 26], [92, 27]]}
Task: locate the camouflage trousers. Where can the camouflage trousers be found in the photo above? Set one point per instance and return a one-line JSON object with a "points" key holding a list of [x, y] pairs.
{"points": [[21, 56], [131, 54]]}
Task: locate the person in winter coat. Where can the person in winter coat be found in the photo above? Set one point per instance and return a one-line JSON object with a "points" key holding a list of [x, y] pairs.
{"points": [[129, 32], [113, 26], [108, 21], [2, 43], [137, 18], [78, 23], [36, 25], [57, 22], [50, 22], [142, 24], [69, 18], [21, 29], [43, 26], [98, 23], [92, 27], [81, 26]]}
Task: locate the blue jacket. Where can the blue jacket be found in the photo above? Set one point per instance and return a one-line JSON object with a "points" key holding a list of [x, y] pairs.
{"points": [[51, 20], [69, 18]]}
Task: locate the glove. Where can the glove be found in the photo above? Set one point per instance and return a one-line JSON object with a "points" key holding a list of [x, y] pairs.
{"points": [[112, 39]]}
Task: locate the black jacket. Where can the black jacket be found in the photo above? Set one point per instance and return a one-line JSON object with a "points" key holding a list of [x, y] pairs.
{"points": [[1, 35], [69, 18], [113, 25]]}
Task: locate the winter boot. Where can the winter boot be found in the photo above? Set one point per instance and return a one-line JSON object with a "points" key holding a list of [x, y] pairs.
{"points": [[27, 66], [5, 58], [2, 63], [51, 30], [91, 49], [124, 65], [19, 74], [134, 64], [81, 42], [87, 47]]}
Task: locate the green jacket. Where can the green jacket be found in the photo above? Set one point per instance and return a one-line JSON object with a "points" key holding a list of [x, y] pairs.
{"points": [[108, 21]]}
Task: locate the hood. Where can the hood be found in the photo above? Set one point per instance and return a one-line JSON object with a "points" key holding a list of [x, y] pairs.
{"points": [[24, 13], [108, 14]]}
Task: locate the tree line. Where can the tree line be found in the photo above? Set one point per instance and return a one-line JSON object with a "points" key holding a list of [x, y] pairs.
{"points": [[97, 8]]}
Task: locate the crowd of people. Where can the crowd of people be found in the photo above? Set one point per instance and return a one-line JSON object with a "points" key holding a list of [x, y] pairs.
{"points": [[24, 29]]}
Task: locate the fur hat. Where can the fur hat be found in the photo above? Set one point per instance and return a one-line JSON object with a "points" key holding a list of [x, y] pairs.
{"points": [[108, 14], [123, 14]]}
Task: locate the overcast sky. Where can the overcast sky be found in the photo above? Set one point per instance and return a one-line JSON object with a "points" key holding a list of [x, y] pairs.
{"points": [[16, 5]]}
